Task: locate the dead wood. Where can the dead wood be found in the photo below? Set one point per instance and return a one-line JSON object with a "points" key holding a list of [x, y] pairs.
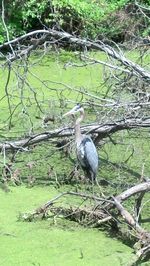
{"points": [[97, 214], [83, 216], [137, 208], [103, 130], [142, 235], [57, 36], [143, 187]]}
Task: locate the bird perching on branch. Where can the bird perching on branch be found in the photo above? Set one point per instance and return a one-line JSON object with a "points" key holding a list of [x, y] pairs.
{"points": [[85, 148]]}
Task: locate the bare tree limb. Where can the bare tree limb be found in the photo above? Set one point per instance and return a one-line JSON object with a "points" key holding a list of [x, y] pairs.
{"points": [[99, 215], [98, 45], [143, 187], [101, 129]]}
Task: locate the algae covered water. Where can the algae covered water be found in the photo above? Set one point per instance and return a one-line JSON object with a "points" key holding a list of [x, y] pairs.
{"points": [[51, 89], [49, 243]]}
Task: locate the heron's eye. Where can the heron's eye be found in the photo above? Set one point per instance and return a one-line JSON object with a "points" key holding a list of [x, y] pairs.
{"points": [[78, 106]]}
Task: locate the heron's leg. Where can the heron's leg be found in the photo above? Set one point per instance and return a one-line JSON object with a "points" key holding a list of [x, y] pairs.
{"points": [[90, 180], [95, 182], [100, 188]]}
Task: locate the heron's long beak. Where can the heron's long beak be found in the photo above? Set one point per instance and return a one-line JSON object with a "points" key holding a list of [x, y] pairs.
{"points": [[66, 114], [71, 112]]}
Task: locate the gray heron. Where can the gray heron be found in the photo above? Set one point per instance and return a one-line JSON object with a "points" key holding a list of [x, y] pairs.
{"points": [[85, 148]]}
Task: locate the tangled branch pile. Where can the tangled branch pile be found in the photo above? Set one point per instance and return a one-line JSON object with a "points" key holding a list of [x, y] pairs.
{"points": [[102, 212]]}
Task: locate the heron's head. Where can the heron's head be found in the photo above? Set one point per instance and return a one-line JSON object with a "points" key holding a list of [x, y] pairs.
{"points": [[74, 110]]}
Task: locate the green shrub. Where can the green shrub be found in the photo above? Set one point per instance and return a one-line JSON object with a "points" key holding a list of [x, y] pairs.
{"points": [[89, 19]]}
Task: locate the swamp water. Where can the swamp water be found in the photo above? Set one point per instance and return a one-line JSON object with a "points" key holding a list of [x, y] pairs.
{"points": [[58, 242], [47, 244]]}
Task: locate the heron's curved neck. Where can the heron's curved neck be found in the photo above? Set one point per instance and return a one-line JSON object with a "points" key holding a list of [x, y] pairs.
{"points": [[78, 134]]}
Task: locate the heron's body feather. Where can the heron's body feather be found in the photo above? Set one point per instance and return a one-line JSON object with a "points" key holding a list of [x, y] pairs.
{"points": [[86, 150], [88, 157]]}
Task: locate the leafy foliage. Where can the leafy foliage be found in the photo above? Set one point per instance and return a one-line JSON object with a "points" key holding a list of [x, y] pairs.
{"points": [[90, 19]]}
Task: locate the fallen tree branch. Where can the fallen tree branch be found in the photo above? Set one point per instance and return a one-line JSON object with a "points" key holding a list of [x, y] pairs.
{"points": [[124, 213], [142, 235], [101, 129], [97, 215], [137, 208], [99, 45], [143, 187], [42, 210], [21, 38]]}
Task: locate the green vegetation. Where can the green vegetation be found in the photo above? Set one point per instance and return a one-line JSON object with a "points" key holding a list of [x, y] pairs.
{"points": [[47, 86], [57, 242], [45, 243], [90, 19]]}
